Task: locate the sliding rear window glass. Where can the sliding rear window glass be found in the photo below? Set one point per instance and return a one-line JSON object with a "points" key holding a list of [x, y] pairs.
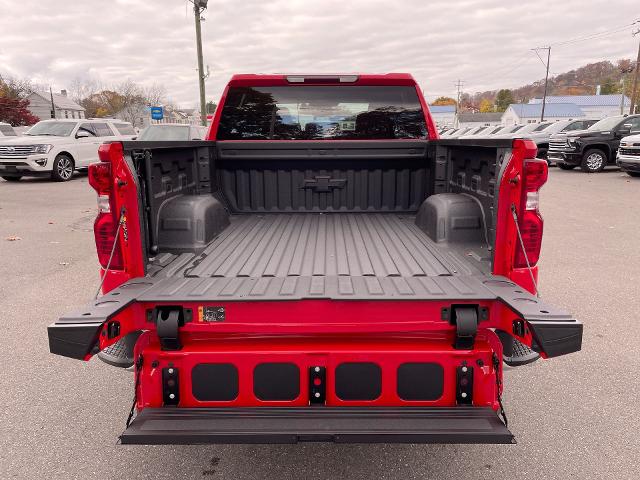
{"points": [[321, 113]]}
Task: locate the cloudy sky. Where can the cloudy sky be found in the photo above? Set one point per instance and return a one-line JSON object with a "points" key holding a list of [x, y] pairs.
{"points": [[486, 43]]}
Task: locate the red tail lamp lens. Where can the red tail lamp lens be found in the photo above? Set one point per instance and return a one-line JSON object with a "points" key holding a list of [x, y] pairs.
{"points": [[104, 230], [100, 177], [110, 152]]}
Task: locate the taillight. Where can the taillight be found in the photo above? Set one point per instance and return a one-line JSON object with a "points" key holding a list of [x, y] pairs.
{"points": [[100, 177], [529, 219], [105, 227]]}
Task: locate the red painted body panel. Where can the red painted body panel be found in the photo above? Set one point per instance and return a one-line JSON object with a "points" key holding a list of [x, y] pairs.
{"points": [[274, 80], [510, 193], [390, 79], [124, 194], [322, 332], [388, 352]]}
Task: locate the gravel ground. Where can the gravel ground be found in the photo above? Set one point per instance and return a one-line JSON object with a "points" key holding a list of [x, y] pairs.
{"points": [[573, 417]]}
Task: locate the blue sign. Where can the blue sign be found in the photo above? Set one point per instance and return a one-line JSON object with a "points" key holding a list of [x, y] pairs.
{"points": [[157, 113]]}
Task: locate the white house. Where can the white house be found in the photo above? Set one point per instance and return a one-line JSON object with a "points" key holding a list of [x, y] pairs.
{"points": [[40, 105], [443, 115], [518, 113], [479, 119], [593, 106]]}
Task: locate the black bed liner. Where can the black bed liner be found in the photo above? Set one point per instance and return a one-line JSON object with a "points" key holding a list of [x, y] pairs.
{"points": [[319, 245], [311, 424], [281, 250]]}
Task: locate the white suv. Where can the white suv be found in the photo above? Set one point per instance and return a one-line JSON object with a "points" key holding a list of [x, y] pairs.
{"points": [[55, 148], [6, 130]]}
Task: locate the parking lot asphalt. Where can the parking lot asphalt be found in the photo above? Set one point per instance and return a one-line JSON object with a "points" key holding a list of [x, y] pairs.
{"points": [[574, 417]]}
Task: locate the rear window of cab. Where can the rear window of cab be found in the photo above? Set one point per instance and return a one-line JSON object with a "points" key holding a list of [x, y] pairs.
{"points": [[306, 112]]}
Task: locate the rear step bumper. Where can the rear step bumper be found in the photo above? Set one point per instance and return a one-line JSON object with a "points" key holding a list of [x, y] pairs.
{"points": [[187, 426]]}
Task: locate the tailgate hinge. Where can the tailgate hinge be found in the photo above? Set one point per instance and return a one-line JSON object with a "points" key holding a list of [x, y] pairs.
{"points": [[168, 320], [466, 321]]}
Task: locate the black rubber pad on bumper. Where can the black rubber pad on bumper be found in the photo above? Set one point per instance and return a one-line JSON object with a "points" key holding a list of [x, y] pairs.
{"points": [[311, 424]]}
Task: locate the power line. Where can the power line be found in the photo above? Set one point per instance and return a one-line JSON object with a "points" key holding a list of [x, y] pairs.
{"points": [[593, 36], [535, 50], [522, 59]]}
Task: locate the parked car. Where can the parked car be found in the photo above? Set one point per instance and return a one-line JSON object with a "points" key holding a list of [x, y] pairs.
{"points": [[492, 130], [628, 158], [6, 130], [543, 133], [474, 132], [280, 284], [506, 131], [594, 148], [56, 148], [522, 131], [460, 132], [21, 130], [172, 132], [449, 132]]}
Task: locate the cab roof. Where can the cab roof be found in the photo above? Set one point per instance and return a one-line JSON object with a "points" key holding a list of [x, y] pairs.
{"points": [[271, 80]]}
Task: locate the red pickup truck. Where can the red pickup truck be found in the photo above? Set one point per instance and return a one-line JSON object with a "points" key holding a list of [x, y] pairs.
{"points": [[322, 268]]}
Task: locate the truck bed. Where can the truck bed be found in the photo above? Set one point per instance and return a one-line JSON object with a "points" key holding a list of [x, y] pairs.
{"points": [[320, 255]]}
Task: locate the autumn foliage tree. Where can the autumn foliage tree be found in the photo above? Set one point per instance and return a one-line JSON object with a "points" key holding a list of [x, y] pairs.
{"points": [[444, 101], [15, 112], [486, 106]]}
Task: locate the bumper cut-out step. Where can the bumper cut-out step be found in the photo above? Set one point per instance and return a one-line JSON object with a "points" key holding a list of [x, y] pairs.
{"points": [[316, 424]]}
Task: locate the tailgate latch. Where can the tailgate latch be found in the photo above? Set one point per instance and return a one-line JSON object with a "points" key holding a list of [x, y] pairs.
{"points": [[466, 321]]}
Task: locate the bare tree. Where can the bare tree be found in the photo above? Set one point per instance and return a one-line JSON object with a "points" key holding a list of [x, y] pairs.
{"points": [[128, 101], [154, 94], [82, 88], [13, 87]]}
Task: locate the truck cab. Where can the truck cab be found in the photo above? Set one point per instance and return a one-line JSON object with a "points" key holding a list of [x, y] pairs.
{"points": [[322, 268], [594, 148]]}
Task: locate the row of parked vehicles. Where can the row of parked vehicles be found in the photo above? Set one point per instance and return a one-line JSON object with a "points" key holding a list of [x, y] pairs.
{"points": [[57, 148], [588, 143]]}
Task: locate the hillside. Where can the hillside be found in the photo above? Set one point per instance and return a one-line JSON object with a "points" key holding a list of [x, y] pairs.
{"points": [[581, 81]]}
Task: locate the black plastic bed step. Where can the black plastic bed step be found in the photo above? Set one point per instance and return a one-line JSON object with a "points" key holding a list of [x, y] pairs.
{"points": [[321, 424]]}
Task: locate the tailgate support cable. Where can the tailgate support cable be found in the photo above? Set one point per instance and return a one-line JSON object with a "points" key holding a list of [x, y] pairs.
{"points": [[524, 251], [113, 250], [496, 367], [135, 389]]}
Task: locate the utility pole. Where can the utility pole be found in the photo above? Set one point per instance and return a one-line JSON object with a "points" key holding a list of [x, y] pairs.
{"points": [[458, 85], [634, 91], [546, 83], [198, 7], [53, 104]]}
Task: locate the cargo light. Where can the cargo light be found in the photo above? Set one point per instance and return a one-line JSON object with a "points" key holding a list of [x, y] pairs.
{"points": [[322, 78]]}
